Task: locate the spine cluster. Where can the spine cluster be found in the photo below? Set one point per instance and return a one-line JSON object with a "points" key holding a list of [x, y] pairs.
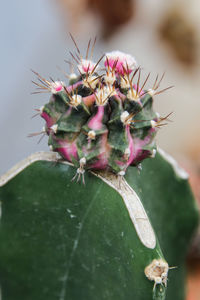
{"points": [[103, 119]]}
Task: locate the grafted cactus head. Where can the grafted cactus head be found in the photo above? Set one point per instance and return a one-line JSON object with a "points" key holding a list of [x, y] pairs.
{"points": [[102, 119]]}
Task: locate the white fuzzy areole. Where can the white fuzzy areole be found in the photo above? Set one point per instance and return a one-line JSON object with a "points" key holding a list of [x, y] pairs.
{"points": [[180, 172], [72, 76], [134, 206], [124, 116]]}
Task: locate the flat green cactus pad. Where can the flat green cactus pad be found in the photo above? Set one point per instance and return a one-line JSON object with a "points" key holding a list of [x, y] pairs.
{"points": [[62, 240]]}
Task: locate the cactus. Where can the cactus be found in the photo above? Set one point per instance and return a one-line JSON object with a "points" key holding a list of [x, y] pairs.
{"points": [[119, 235], [102, 121]]}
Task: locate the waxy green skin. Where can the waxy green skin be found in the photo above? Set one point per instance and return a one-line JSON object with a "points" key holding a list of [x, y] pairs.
{"points": [[63, 240]]}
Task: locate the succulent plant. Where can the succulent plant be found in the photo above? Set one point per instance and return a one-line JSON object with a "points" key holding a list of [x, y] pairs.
{"points": [[117, 236], [102, 121]]}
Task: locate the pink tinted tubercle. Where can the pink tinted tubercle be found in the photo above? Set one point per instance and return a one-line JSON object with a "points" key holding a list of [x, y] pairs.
{"points": [[96, 122], [139, 144], [89, 100], [49, 120], [67, 150], [73, 86], [102, 161]]}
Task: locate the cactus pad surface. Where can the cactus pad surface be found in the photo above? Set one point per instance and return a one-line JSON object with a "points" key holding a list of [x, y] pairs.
{"points": [[60, 240]]}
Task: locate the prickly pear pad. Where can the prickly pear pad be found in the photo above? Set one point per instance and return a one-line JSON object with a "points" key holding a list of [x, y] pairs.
{"points": [[102, 119]]}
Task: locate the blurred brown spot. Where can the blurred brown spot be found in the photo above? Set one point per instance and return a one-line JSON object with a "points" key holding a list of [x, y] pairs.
{"points": [[180, 34], [113, 14]]}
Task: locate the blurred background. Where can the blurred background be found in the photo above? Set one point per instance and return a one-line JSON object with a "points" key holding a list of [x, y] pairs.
{"points": [[161, 35]]}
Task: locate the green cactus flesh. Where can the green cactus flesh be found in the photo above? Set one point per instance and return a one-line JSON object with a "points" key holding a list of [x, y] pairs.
{"points": [[60, 240]]}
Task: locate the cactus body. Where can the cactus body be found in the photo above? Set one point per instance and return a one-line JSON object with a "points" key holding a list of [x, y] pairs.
{"points": [[60, 240], [102, 121]]}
